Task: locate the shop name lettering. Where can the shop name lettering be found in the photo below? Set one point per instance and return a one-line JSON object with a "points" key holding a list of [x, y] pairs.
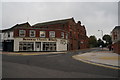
{"points": [[39, 39]]}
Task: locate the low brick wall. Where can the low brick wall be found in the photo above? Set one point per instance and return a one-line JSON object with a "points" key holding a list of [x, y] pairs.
{"points": [[116, 47]]}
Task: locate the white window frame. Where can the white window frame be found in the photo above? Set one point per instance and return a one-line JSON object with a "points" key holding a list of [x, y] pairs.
{"points": [[31, 33], [62, 34], [51, 33], [24, 32], [44, 33]]}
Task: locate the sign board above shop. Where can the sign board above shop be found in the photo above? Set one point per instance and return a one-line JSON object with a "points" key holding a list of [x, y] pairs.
{"points": [[39, 39]]}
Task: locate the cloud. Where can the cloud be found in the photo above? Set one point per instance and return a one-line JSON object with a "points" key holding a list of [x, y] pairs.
{"points": [[94, 15]]}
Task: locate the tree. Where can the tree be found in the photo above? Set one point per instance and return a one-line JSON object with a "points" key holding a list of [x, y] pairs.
{"points": [[107, 38], [92, 41], [100, 42]]}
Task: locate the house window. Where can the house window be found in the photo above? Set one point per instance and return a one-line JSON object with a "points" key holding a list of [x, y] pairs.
{"points": [[22, 33], [42, 33], [5, 35], [52, 34], [70, 33], [62, 34], [8, 34], [32, 33]]}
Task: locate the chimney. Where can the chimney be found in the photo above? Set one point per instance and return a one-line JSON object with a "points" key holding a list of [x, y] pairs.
{"points": [[79, 22]]}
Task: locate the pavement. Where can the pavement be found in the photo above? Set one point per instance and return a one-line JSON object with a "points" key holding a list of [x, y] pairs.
{"points": [[103, 58], [31, 53]]}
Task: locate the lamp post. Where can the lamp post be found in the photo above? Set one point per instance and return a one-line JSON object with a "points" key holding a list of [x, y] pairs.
{"points": [[101, 33], [101, 38]]}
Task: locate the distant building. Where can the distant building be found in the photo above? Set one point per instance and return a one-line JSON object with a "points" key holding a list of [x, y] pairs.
{"points": [[116, 39], [59, 35]]}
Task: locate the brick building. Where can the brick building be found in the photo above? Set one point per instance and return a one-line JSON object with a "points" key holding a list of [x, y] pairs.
{"points": [[116, 39], [59, 35]]}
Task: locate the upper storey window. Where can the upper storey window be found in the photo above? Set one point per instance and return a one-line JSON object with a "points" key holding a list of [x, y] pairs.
{"points": [[66, 36], [52, 34], [21, 33], [32, 33], [42, 33], [8, 34], [70, 33], [62, 34]]}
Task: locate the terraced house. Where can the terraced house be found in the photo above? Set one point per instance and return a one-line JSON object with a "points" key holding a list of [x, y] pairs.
{"points": [[59, 35]]}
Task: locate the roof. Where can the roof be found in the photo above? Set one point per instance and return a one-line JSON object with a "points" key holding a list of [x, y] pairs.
{"points": [[63, 21], [17, 25], [117, 27]]}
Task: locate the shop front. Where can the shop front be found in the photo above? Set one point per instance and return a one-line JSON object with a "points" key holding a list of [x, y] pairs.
{"points": [[39, 44], [8, 45]]}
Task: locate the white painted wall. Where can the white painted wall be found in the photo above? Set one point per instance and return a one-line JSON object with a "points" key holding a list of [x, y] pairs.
{"points": [[16, 43], [5, 35], [59, 45]]}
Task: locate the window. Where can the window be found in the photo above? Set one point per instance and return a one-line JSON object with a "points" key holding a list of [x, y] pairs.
{"points": [[49, 46], [70, 33], [62, 34], [66, 36], [42, 33], [32, 33], [8, 34], [22, 33], [52, 34], [26, 46]]}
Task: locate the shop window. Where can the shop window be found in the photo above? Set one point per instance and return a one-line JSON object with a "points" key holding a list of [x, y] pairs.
{"points": [[21, 33], [42, 33], [32, 33], [52, 34], [26, 46], [62, 34], [49, 46]]}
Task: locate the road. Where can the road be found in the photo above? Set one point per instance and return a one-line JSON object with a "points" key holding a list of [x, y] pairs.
{"points": [[53, 66]]}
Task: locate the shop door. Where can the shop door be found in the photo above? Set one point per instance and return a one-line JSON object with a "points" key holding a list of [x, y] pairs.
{"points": [[38, 46]]}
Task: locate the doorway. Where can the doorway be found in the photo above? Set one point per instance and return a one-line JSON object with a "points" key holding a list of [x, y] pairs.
{"points": [[38, 46]]}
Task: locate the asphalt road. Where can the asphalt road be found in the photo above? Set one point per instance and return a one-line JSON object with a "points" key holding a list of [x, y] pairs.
{"points": [[57, 65]]}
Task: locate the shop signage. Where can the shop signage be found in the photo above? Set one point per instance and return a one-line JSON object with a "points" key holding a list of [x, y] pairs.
{"points": [[39, 39], [35, 39], [52, 39]]}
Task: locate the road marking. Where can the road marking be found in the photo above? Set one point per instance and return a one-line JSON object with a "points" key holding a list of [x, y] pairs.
{"points": [[95, 63], [52, 55]]}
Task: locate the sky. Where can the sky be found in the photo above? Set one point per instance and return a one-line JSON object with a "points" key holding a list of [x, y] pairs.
{"points": [[94, 15]]}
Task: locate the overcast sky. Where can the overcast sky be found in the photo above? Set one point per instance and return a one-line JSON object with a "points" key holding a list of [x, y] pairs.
{"points": [[94, 15]]}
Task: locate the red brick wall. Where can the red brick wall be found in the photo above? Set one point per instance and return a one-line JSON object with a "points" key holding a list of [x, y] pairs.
{"points": [[78, 33], [57, 32], [116, 47]]}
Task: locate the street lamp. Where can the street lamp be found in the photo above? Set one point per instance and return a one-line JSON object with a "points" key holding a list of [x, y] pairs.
{"points": [[101, 38], [101, 32]]}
